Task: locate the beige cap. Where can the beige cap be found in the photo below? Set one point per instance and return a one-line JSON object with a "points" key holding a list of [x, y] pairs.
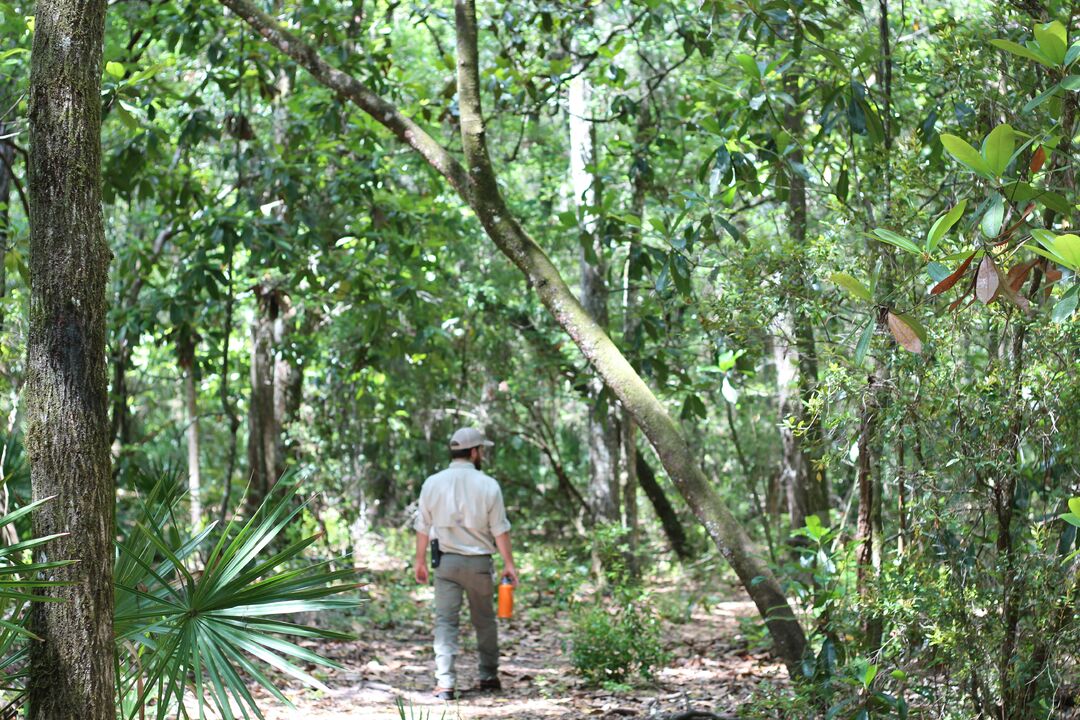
{"points": [[466, 438]]}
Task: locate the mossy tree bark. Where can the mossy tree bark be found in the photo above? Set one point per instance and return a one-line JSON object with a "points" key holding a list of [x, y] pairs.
{"points": [[67, 434], [478, 187]]}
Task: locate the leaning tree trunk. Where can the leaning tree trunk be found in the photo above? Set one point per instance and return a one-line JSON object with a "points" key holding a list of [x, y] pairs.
{"points": [[67, 435], [478, 187]]}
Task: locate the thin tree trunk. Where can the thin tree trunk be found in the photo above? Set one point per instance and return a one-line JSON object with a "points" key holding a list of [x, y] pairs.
{"points": [[669, 519], [186, 349], [639, 177], [478, 187], [866, 537], [792, 462], [67, 435], [227, 406], [262, 448], [7, 160], [601, 432]]}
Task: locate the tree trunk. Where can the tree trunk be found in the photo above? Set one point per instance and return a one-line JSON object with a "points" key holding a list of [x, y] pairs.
{"points": [[601, 428], [264, 457], [274, 391], [7, 165], [478, 187], [867, 534], [669, 519], [792, 462], [185, 348], [67, 435]]}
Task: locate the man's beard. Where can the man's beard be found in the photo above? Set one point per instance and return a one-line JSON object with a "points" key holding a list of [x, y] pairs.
{"points": [[477, 463]]}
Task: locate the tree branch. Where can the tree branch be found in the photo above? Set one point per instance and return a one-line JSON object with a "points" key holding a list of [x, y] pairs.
{"points": [[17, 183], [383, 112]]}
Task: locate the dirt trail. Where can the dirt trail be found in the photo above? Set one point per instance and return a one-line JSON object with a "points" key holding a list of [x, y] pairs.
{"points": [[709, 670]]}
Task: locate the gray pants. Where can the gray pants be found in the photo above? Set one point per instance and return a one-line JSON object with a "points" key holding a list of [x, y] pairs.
{"points": [[472, 576]]}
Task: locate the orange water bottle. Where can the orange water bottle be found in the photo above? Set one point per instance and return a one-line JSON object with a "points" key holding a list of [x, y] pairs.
{"points": [[506, 598]]}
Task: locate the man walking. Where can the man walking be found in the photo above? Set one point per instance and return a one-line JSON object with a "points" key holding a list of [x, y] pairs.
{"points": [[462, 509]]}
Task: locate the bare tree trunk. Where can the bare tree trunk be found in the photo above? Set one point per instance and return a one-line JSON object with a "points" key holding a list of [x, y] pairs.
{"points": [[227, 405], [478, 187], [7, 165], [669, 519], [274, 391], [792, 463], [185, 347], [67, 435], [602, 433], [867, 534]]}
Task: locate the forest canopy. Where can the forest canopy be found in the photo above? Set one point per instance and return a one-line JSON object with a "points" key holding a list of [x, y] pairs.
{"points": [[770, 303]]}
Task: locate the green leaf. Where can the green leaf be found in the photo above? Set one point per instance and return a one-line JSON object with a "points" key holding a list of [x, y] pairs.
{"points": [[993, 217], [1040, 99], [937, 271], [1064, 308], [115, 69], [1072, 54], [1072, 82], [943, 225], [1074, 505], [1053, 41], [864, 343], [966, 154], [901, 242], [1030, 52], [998, 148], [854, 287], [748, 65], [869, 675], [1062, 249]]}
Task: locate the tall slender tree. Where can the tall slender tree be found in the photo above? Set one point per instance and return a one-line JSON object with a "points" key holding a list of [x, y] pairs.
{"points": [[67, 435]]}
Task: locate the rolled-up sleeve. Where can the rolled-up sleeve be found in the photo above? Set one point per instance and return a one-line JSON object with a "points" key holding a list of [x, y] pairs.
{"points": [[497, 522], [422, 523]]}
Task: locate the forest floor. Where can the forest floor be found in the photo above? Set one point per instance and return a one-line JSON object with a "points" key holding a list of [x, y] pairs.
{"points": [[711, 666]]}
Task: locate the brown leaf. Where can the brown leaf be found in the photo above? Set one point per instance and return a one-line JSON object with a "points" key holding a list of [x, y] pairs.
{"points": [[1038, 159], [1018, 273], [904, 335], [1053, 274], [948, 282], [986, 281]]}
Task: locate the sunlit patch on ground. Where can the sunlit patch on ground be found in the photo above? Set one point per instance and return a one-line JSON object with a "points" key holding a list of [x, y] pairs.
{"points": [[710, 668]]}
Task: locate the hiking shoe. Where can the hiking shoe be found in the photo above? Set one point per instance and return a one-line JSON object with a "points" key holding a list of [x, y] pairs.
{"points": [[444, 694], [490, 684]]}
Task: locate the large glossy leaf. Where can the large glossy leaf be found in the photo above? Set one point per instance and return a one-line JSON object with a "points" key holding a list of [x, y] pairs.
{"points": [[1053, 41], [855, 288], [1029, 52], [943, 224], [901, 242], [966, 154], [998, 148]]}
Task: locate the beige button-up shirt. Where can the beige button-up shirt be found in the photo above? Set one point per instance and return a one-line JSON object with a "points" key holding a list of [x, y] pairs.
{"points": [[462, 508]]}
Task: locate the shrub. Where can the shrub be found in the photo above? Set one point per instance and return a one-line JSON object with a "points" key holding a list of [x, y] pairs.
{"points": [[610, 645]]}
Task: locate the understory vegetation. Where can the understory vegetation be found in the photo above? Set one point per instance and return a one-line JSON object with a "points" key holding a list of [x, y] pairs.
{"points": [[771, 300]]}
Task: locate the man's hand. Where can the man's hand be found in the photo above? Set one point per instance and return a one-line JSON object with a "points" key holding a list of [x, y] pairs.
{"points": [[421, 573], [511, 572]]}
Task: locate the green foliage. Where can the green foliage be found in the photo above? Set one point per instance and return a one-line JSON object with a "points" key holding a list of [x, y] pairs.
{"points": [[193, 627], [613, 645]]}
